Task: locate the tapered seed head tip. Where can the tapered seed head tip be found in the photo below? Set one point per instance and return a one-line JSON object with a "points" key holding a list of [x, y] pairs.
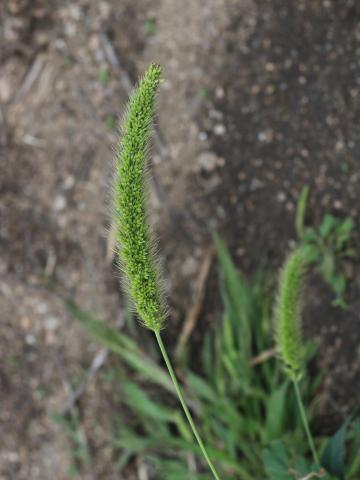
{"points": [[154, 73]]}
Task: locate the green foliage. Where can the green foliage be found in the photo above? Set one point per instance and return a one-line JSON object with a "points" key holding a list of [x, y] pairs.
{"points": [[327, 247], [353, 470], [150, 26], [122, 345], [110, 122], [238, 392], [333, 458], [80, 446], [279, 466], [103, 75], [301, 212], [133, 233], [204, 92], [288, 330]]}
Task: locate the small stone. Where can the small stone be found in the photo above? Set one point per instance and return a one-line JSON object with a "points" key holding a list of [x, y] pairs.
{"points": [[59, 203], [189, 267], [256, 184], [30, 339], [157, 159], [69, 182], [51, 323], [41, 308], [26, 323], [207, 161], [104, 10], [262, 137], [219, 93], [281, 197], [266, 136], [203, 136], [269, 67], [339, 146], [219, 129]]}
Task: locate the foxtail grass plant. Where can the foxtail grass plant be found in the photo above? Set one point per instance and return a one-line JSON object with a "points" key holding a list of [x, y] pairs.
{"points": [[288, 329], [135, 246]]}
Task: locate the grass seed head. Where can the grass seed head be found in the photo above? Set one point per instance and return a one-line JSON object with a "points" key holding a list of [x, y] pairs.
{"points": [[136, 250], [288, 328]]}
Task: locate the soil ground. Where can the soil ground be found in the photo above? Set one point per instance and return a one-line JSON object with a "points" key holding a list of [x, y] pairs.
{"points": [[260, 97]]}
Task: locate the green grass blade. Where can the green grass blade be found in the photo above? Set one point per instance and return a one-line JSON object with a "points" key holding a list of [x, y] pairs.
{"points": [[301, 212], [122, 345]]}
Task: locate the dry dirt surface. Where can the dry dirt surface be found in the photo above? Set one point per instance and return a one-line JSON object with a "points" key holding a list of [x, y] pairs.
{"points": [[260, 97]]}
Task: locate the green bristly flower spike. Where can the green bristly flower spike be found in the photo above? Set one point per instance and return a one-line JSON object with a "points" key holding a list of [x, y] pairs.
{"points": [[133, 237], [288, 315], [288, 329], [133, 233]]}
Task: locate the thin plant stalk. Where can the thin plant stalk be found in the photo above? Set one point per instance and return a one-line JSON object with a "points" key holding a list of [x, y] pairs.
{"points": [[184, 405], [305, 422]]}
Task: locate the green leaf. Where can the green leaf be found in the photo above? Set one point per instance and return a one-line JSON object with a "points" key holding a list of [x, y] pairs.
{"points": [[121, 344], [201, 388], [276, 462], [150, 26], [354, 461], [301, 212], [333, 457], [346, 226], [310, 235], [140, 401], [275, 413], [350, 253], [327, 266], [238, 294], [328, 224], [312, 253], [343, 233], [338, 283], [103, 76]]}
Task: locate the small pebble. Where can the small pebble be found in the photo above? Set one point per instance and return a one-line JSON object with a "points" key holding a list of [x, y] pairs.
{"points": [[281, 197], [219, 129], [30, 339], [59, 203]]}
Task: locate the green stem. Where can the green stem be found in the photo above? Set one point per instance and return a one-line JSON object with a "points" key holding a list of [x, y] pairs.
{"points": [[184, 406], [306, 423]]}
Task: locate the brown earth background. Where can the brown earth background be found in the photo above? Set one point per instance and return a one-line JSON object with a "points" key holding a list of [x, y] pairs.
{"points": [[260, 98]]}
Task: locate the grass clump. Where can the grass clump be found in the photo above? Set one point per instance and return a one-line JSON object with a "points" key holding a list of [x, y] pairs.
{"points": [[327, 247], [239, 391]]}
